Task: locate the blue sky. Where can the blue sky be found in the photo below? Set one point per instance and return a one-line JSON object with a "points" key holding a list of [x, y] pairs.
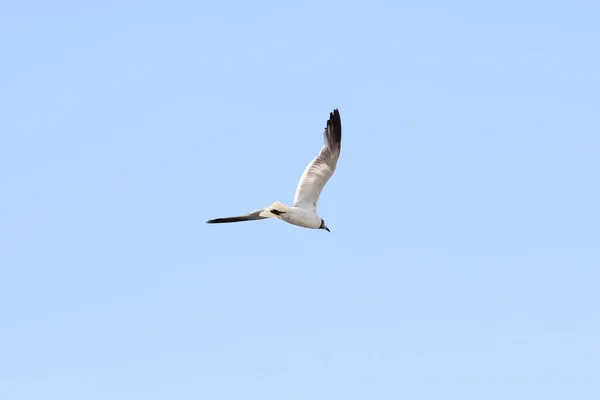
{"points": [[465, 246]]}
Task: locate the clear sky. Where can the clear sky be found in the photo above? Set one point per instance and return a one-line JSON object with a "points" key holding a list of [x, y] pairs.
{"points": [[464, 256]]}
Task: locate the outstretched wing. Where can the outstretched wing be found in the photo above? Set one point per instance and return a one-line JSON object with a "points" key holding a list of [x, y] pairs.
{"points": [[253, 216], [318, 172]]}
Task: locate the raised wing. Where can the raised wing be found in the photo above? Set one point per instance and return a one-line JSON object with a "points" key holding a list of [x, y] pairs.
{"points": [[318, 172]]}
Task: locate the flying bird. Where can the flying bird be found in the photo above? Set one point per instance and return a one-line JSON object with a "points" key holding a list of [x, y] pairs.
{"points": [[317, 173]]}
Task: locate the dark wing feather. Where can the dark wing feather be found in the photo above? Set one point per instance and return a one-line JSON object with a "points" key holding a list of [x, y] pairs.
{"points": [[253, 216]]}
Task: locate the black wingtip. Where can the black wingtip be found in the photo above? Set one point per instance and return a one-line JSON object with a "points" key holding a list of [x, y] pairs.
{"points": [[335, 122], [248, 217], [224, 220], [221, 220], [334, 115]]}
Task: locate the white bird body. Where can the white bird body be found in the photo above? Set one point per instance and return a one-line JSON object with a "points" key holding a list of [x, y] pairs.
{"points": [[310, 186], [294, 215]]}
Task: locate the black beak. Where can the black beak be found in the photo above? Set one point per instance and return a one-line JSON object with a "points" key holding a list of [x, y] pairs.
{"points": [[327, 229]]}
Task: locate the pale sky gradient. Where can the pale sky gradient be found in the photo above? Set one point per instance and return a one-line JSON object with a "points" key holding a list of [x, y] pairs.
{"points": [[464, 258]]}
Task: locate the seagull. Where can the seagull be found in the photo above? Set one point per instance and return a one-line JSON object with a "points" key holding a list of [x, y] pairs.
{"points": [[304, 211]]}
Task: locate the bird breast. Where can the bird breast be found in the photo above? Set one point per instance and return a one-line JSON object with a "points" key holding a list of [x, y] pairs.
{"points": [[302, 217]]}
